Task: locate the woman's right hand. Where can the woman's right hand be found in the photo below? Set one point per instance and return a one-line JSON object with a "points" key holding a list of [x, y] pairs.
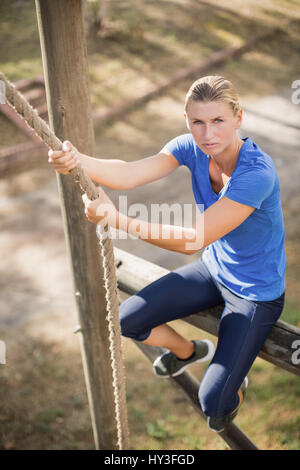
{"points": [[64, 160]]}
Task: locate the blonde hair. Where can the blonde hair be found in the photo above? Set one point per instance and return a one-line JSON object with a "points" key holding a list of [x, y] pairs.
{"points": [[213, 88]]}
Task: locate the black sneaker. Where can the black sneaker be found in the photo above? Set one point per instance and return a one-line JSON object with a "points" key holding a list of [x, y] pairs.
{"points": [[219, 424], [168, 365]]}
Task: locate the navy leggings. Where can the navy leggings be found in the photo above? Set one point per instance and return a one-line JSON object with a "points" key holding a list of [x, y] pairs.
{"points": [[244, 327]]}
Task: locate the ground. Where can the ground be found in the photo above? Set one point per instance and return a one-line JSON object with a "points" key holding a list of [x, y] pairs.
{"points": [[45, 403]]}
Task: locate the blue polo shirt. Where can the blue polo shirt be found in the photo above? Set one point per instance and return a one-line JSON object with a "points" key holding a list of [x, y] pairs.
{"points": [[250, 260]]}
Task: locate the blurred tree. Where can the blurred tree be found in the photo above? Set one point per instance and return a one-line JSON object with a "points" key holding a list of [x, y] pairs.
{"points": [[98, 12]]}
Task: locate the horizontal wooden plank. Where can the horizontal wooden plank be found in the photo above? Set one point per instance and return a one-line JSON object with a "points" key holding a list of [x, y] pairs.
{"points": [[21, 157], [215, 59], [134, 273], [14, 117]]}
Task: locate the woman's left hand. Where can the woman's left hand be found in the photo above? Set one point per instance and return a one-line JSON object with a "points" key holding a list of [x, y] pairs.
{"points": [[101, 209]]}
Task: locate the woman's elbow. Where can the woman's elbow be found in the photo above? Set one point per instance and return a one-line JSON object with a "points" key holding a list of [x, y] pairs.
{"points": [[192, 247], [191, 250]]}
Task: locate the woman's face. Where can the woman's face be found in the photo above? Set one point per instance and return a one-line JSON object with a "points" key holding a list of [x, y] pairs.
{"points": [[212, 124]]}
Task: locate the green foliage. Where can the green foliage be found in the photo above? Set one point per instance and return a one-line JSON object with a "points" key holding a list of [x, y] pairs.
{"points": [[49, 415], [158, 430]]}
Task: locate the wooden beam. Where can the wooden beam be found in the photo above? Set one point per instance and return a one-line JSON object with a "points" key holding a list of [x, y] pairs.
{"points": [[104, 116], [21, 157], [25, 83], [215, 59], [12, 116], [64, 54], [134, 273]]}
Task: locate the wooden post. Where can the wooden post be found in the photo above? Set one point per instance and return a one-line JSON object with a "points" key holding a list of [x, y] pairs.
{"points": [[64, 54]]}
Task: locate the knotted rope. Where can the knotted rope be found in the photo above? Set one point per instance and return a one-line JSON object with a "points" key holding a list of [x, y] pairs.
{"points": [[18, 102]]}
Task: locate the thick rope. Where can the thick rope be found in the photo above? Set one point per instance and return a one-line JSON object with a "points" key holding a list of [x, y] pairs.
{"points": [[18, 102]]}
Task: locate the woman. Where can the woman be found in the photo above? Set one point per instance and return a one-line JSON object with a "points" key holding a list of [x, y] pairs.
{"points": [[240, 228]]}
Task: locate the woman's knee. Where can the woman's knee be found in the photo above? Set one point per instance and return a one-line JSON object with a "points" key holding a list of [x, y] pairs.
{"points": [[132, 319], [217, 396]]}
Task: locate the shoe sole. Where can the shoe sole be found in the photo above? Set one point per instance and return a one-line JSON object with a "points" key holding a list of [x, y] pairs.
{"points": [[213, 429], [208, 357]]}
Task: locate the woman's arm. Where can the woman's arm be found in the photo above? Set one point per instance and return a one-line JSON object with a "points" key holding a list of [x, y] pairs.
{"points": [[219, 219], [114, 173], [170, 237], [119, 174], [152, 168]]}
